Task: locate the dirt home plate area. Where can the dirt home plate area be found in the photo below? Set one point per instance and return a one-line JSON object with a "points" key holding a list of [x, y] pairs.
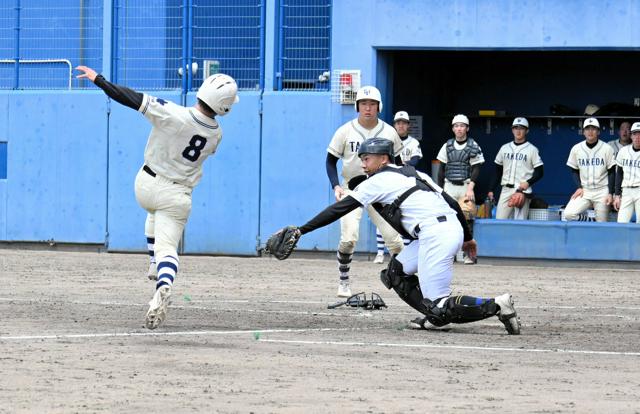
{"points": [[255, 335]]}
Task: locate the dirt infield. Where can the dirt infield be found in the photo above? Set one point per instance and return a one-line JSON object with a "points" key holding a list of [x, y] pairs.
{"points": [[255, 335]]}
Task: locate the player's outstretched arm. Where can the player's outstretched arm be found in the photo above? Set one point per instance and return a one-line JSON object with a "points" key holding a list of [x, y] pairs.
{"points": [[331, 214], [123, 95]]}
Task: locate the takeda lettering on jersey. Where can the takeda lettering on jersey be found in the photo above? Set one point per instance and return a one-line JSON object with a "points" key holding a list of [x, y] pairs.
{"points": [[630, 163], [516, 156], [354, 145], [586, 162]]}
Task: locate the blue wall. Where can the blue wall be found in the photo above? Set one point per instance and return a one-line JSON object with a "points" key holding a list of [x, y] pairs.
{"points": [[72, 162]]}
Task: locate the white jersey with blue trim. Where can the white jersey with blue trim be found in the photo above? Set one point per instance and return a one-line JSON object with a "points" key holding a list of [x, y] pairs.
{"points": [[410, 149], [629, 160], [593, 163], [386, 186], [180, 140]]}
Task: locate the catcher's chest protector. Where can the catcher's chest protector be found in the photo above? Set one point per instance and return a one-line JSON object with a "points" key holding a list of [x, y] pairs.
{"points": [[458, 166]]}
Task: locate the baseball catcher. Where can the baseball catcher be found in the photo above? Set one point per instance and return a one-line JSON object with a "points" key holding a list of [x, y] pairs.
{"points": [[421, 273]]}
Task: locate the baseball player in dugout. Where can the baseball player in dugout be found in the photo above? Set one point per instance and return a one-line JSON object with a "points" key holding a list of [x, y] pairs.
{"points": [[413, 204], [627, 194], [344, 145], [518, 167], [460, 161], [593, 168], [180, 140], [410, 155], [624, 137]]}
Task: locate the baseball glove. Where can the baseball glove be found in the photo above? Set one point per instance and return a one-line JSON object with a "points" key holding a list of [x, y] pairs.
{"points": [[282, 242], [468, 208], [516, 200]]}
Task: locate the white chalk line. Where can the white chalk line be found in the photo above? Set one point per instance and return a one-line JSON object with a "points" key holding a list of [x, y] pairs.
{"points": [[459, 347], [173, 333]]}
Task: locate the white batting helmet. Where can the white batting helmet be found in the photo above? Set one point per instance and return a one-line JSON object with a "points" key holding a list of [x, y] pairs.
{"points": [[635, 127], [219, 92], [401, 116], [460, 119], [369, 92], [520, 122], [591, 122]]}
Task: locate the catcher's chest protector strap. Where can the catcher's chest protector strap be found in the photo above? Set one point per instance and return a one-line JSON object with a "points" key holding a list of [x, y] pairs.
{"points": [[391, 213]]}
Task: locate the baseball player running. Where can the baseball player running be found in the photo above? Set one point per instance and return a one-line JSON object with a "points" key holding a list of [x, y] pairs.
{"points": [[518, 167], [418, 208], [624, 137], [460, 161], [180, 140], [593, 167], [627, 194], [344, 145], [411, 154]]}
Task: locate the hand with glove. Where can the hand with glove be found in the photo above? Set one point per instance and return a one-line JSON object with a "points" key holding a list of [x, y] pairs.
{"points": [[282, 242]]}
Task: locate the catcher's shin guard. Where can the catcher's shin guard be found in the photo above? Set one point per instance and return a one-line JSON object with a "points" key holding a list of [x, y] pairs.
{"points": [[459, 309], [344, 261], [406, 286]]}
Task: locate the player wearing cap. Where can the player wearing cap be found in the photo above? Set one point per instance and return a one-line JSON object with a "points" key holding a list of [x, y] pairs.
{"points": [[460, 161], [518, 167], [421, 274], [593, 167], [624, 137], [627, 194], [344, 145], [180, 140], [411, 154]]}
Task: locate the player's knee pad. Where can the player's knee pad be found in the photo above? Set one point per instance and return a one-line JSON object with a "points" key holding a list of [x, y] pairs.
{"points": [[406, 286], [459, 309]]}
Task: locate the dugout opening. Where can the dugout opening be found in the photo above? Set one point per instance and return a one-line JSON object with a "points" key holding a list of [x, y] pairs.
{"points": [[550, 88]]}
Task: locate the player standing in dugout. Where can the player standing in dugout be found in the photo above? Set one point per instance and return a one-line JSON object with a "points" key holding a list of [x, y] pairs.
{"points": [[627, 194], [460, 161], [518, 167], [180, 140], [344, 145]]}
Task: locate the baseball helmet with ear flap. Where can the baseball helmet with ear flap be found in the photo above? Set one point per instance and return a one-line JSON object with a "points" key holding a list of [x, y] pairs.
{"points": [[219, 92], [369, 92]]}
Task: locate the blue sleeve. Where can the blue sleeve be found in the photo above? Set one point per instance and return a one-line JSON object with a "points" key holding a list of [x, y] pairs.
{"points": [[332, 169]]}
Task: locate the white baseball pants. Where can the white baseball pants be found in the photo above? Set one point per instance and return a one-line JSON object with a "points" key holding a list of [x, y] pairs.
{"points": [[431, 256], [629, 203], [595, 198], [503, 211]]}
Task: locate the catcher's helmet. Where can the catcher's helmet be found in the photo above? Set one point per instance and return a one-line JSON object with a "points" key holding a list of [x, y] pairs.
{"points": [[219, 92], [376, 146], [369, 92]]}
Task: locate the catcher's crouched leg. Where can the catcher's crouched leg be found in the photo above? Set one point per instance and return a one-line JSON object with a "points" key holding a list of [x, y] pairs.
{"points": [[459, 309], [406, 286]]}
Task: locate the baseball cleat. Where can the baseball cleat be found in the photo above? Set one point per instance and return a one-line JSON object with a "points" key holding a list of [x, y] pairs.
{"points": [[507, 314], [152, 274], [424, 324], [344, 289], [469, 261], [379, 258], [158, 307]]}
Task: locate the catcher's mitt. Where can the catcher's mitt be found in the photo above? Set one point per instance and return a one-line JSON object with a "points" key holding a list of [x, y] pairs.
{"points": [[516, 200], [282, 242], [468, 208]]}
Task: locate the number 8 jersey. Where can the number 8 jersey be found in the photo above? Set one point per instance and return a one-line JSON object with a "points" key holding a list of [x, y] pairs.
{"points": [[180, 140]]}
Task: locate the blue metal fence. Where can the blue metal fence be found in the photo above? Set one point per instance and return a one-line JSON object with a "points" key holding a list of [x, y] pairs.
{"points": [[228, 37], [304, 45], [41, 40]]}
